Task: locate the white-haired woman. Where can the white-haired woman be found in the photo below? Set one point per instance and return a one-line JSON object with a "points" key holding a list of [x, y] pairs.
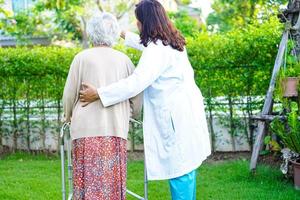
{"points": [[99, 134]]}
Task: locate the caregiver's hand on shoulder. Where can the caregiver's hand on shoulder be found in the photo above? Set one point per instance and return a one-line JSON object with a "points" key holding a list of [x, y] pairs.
{"points": [[123, 34], [88, 94]]}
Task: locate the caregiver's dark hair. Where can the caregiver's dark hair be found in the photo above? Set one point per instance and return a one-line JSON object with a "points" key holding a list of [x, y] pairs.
{"points": [[156, 25]]}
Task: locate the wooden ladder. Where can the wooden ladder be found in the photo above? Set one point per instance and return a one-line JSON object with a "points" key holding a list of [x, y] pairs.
{"points": [[292, 20]]}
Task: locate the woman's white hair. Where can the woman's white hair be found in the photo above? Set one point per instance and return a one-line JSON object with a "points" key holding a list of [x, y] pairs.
{"points": [[103, 29]]}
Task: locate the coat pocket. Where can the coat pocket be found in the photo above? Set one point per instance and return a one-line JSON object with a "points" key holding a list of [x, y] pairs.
{"points": [[167, 128]]}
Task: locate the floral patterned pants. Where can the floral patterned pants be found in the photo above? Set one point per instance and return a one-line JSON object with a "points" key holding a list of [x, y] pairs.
{"points": [[99, 168]]}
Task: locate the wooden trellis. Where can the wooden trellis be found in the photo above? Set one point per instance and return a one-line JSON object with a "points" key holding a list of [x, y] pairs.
{"points": [[290, 17]]}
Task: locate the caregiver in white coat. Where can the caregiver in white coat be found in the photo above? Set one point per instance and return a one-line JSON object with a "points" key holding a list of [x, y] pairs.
{"points": [[176, 137]]}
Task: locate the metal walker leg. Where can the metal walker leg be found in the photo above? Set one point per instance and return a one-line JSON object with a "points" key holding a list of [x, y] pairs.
{"points": [[62, 158], [63, 136], [145, 175], [65, 139], [145, 187]]}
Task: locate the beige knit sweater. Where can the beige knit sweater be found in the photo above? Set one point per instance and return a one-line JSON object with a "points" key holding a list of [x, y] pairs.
{"points": [[99, 66]]}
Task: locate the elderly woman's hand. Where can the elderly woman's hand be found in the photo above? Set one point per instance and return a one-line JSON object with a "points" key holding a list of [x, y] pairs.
{"points": [[88, 94]]}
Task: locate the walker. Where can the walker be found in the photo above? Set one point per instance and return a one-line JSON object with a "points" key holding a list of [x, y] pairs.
{"points": [[65, 139]]}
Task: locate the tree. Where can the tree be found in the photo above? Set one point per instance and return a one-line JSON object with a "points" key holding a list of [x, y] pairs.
{"points": [[62, 19], [71, 16], [3, 13], [229, 13], [183, 2], [188, 26]]}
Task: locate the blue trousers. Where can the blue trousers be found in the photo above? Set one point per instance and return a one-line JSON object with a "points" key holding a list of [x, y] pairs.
{"points": [[184, 187]]}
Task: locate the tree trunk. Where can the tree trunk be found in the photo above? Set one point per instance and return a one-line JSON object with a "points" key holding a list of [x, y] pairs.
{"points": [[43, 123], [2, 101], [28, 118], [59, 124], [99, 4], [232, 135], [15, 125], [132, 138], [250, 126], [211, 126], [249, 110], [1, 122], [85, 40], [252, 8]]}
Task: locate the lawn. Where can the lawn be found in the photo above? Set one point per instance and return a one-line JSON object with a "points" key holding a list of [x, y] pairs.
{"points": [[26, 177]]}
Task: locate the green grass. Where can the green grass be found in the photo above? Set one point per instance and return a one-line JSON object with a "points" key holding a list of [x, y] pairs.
{"points": [[25, 177]]}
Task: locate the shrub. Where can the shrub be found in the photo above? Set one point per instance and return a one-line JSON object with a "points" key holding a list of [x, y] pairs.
{"points": [[223, 63], [238, 63], [228, 63]]}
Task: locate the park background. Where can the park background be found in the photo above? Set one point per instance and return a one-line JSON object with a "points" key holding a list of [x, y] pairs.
{"points": [[232, 46]]}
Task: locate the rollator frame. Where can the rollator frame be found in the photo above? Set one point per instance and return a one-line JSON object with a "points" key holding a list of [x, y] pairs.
{"points": [[65, 140]]}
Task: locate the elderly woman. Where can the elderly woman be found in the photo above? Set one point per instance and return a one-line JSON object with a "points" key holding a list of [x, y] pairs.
{"points": [[176, 137], [99, 134]]}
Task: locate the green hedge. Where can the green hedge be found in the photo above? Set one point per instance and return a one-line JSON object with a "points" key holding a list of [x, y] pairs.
{"points": [[236, 63], [37, 61], [232, 63], [34, 73]]}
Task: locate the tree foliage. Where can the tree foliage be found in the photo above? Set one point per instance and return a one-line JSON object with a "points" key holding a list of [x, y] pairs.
{"points": [[230, 65], [188, 26], [219, 60], [61, 19], [229, 14], [238, 52], [3, 13]]}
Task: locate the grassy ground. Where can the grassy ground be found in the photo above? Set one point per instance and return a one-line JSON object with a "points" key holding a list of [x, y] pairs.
{"points": [[25, 177]]}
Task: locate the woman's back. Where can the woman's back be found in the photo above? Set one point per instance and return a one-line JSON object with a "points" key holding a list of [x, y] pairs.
{"points": [[99, 66], [103, 65]]}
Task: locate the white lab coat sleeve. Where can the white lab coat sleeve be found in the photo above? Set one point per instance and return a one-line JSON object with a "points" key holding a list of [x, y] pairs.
{"points": [[152, 63], [133, 40]]}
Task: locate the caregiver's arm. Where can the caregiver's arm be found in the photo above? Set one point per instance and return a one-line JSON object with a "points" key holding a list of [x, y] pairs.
{"points": [[70, 90], [151, 65], [132, 40]]}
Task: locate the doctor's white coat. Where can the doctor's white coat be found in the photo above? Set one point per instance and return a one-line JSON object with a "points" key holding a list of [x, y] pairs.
{"points": [[176, 137]]}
